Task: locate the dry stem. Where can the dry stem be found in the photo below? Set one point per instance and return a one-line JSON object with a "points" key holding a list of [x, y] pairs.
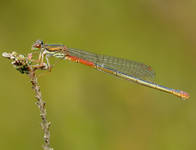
{"points": [[23, 64]]}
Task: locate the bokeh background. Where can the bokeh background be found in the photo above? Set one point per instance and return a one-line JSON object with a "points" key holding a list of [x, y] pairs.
{"points": [[90, 110]]}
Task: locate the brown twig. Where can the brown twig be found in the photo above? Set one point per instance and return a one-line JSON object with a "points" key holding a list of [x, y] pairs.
{"points": [[23, 64]]}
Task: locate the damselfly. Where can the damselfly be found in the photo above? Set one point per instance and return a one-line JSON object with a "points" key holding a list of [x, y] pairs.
{"points": [[132, 71]]}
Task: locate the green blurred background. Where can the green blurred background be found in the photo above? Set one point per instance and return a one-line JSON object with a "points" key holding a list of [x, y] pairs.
{"points": [[90, 110]]}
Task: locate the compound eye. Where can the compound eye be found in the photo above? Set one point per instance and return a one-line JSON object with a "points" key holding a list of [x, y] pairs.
{"points": [[40, 42], [37, 45]]}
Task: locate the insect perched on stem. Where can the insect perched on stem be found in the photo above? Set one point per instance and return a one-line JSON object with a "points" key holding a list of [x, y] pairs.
{"points": [[129, 70]]}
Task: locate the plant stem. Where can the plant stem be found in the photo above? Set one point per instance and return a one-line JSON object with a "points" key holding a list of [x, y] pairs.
{"points": [[23, 64]]}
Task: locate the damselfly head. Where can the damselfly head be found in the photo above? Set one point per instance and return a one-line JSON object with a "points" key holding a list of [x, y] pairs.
{"points": [[37, 45]]}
